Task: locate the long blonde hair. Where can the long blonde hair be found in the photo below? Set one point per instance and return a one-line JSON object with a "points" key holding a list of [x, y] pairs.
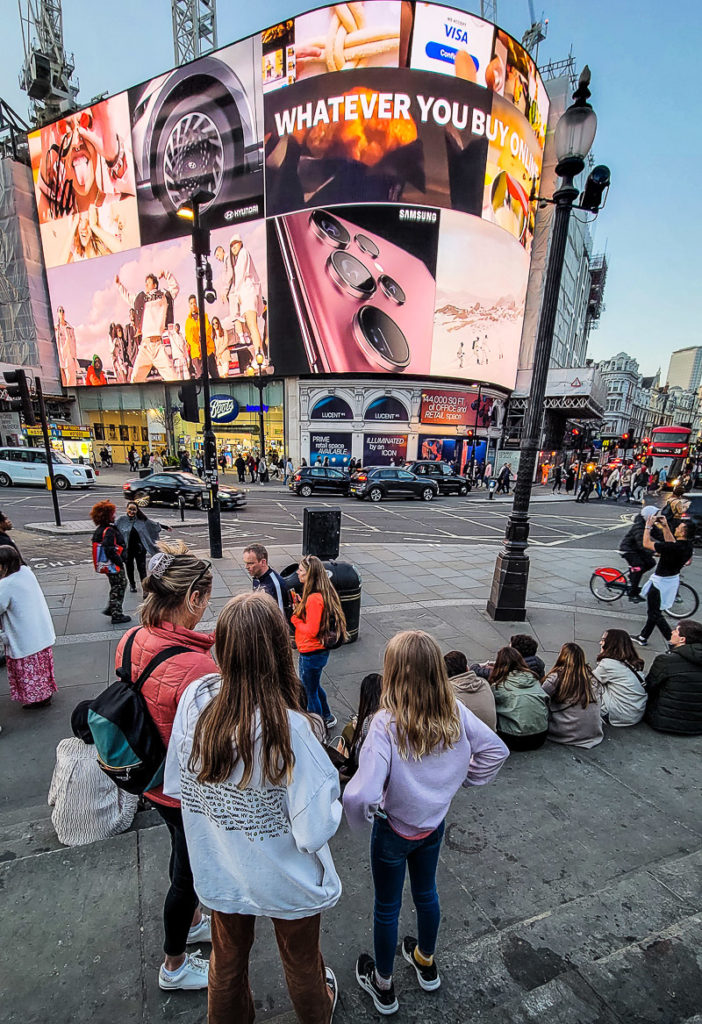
{"points": [[253, 651], [318, 582], [418, 695]]}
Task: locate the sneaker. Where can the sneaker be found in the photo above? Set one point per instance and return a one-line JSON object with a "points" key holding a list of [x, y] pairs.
{"points": [[330, 722], [385, 1002], [428, 977], [132, 588], [202, 931], [106, 611], [193, 974], [636, 599], [331, 982], [640, 640], [118, 619]]}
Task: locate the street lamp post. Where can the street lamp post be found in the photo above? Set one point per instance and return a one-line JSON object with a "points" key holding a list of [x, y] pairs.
{"points": [[260, 383], [203, 273], [574, 135]]}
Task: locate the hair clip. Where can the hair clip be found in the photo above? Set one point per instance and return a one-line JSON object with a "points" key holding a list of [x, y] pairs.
{"points": [[159, 564]]}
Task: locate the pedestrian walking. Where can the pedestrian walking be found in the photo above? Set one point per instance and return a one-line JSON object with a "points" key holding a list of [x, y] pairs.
{"points": [[222, 462], [186, 465], [487, 476], [252, 468], [262, 471], [178, 588], [570, 479], [421, 746], [661, 588], [28, 631], [289, 468], [141, 537], [199, 464], [260, 802], [266, 579], [503, 479], [557, 480], [144, 458], [108, 547], [240, 469], [133, 457], [5, 527], [157, 463], [316, 615]]}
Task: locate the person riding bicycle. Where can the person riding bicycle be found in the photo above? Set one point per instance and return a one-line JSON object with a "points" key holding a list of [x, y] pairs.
{"points": [[635, 554], [661, 589]]}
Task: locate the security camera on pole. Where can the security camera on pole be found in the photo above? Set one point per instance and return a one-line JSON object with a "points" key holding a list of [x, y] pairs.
{"points": [[203, 273]]}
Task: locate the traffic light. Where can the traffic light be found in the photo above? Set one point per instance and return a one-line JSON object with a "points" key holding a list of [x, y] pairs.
{"points": [[20, 399], [187, 396], [625, 440], [597, 183]]}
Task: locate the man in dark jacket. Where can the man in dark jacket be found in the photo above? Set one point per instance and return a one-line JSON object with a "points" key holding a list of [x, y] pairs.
{"points": [[527, 647], [639, 559], [674, 683], [266, 579]]}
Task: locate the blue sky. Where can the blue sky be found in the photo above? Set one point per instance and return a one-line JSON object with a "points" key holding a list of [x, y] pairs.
{"points": [[645, 90]]}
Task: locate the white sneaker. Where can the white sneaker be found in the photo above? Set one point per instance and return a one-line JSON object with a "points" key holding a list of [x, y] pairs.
{"points": [[193, 974], [202, 931]]}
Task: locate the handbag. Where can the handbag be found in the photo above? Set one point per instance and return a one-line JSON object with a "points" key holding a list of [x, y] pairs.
{"points": [[102, 563]]}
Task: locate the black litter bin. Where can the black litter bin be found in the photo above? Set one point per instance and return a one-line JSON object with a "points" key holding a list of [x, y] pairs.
{"points": [[145, 471], [346, 580]]}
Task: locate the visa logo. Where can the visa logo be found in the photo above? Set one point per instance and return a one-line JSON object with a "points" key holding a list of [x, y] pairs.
{"points": [[459, 35]]}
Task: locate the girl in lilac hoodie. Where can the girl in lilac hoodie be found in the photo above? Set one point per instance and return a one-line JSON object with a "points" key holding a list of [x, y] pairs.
{"points": [[421, 746]]}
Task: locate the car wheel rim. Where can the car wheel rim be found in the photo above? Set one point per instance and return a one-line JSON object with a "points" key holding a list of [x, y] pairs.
{"points": [[194, 145]]}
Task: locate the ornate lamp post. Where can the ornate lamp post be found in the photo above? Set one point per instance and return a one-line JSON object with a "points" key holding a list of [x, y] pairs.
{"points": [[574, 135]]}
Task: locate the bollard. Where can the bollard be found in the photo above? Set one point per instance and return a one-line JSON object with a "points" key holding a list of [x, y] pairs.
{"points": [[181, 506], [492, 485]]}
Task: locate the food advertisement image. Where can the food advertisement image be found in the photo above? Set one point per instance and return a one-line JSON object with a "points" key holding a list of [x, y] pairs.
{"points": [[131, 317], [512, 171], [84, 184], [199, 128], [359, 282], [482, 274], [377, 135]]}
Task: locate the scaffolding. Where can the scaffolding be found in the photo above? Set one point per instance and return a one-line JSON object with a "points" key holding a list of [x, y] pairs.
{"points": [[595, 302], [194, 28]]}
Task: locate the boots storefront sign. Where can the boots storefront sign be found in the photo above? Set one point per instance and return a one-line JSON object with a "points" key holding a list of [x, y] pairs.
{"points": [[223, 408]]}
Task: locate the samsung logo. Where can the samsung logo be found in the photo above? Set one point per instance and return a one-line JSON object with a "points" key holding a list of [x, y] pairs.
{"points": [[429, 216]]}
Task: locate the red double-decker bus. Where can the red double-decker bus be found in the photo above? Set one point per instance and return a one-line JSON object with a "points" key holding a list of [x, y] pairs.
{"points": [[669, 447]]}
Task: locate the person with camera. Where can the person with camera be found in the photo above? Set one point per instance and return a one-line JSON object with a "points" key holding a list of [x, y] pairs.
{"points": [[661, 588]]}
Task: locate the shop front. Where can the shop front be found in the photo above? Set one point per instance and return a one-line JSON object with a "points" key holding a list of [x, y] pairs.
{"points": [[236, 419], [73, 441], [125, 416]]}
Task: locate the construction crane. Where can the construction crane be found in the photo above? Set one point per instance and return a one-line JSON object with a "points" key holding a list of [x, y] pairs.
{"points": [[194, 28], [47, 75], [535, 34], [488, 10]]}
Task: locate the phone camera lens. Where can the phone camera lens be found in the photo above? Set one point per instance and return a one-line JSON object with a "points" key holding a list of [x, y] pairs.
{"points": [[350, 274], [367, 245], [329, 229], [381, 338], [391, 288]]}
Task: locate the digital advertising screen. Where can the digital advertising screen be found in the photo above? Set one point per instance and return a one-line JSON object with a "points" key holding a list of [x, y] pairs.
{"points": [[373, 169]]}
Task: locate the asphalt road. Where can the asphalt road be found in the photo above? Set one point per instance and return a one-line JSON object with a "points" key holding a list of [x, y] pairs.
{"points": [[272, 515]]}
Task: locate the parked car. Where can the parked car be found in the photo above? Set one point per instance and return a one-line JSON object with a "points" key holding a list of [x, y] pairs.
{"points": [[167, 488], [694, 514], [448, 481], [378, 482], [29, 466], [325, 479]]}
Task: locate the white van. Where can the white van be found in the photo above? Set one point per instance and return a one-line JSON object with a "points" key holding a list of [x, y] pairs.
{"points": [[28, 466]]}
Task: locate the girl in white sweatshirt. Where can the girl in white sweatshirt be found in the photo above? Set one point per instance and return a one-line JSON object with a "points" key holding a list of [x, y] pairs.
{"points": [[260, 801]]}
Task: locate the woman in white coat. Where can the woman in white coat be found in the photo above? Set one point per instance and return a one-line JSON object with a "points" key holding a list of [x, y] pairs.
{"points": [[28, 631], [623, 697], [243, 292]]}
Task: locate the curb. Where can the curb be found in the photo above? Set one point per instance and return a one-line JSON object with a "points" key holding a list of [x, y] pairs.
{"points": [[84, 527]]}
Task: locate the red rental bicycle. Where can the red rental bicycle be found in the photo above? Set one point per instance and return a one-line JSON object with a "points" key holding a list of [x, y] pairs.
{"points": [[610, 584]]}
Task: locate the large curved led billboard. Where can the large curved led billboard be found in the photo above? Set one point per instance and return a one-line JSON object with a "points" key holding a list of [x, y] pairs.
{"points": [[373, 166]]}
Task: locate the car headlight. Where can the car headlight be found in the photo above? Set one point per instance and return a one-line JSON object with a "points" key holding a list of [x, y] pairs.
{"points": [[77, 472]]}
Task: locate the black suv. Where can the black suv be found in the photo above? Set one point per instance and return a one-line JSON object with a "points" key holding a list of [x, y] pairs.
{"points": [[378, 482], [448, 481], [325, 479]]}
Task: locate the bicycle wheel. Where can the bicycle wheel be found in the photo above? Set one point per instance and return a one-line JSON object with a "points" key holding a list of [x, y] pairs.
{"points": [[686, 603], [609, 588]]}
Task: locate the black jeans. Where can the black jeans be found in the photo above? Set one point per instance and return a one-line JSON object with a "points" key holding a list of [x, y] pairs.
{"points": [[532, 741], [140, 558], [639, 562], [181, 899], [655, 616]]}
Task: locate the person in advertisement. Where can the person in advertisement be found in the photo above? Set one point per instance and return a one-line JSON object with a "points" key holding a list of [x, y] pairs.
{"points": [[83, 174], [221, 345], [118, 348], [66, 343], [133, 336], [242, 291], [153, 309], [179, 352], [192, 337]]}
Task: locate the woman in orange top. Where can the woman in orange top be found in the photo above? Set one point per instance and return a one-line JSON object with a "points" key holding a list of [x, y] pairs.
{"points": [[317, 614]]}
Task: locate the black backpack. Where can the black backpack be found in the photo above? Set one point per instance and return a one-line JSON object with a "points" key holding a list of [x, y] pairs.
{"points": [[129, 746]]}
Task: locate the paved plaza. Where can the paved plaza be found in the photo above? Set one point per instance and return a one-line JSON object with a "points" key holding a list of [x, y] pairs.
{"points": [[570, 887]]}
